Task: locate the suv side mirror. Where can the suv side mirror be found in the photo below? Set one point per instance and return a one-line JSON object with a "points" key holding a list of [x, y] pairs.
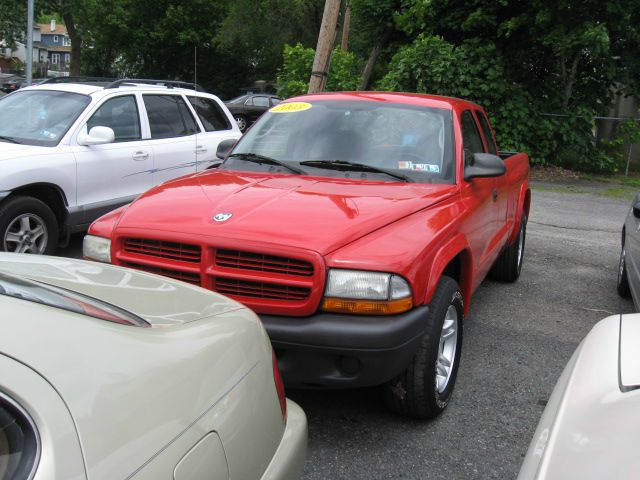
{"points": [[96, 136], [484, 165], [636, 209], [225, 147]]}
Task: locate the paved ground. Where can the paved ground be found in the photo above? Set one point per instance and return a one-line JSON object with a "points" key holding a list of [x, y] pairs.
{"points": [[517, 339]]}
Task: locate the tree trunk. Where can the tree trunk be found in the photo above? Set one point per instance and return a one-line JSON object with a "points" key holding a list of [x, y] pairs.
{"points": [[373, 57], [325, 45], [568, 79], [345, 27], [76, 44]]}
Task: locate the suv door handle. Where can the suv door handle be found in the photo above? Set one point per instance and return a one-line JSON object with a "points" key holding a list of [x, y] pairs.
{"points": [[140, 156], [200, 149], [495, 194]]}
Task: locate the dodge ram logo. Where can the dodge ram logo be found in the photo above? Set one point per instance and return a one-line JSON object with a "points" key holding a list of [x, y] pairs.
{"points": [[222, 217]]}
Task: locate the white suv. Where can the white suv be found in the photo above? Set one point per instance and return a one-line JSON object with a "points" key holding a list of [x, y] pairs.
{"points": [[70, 152]]}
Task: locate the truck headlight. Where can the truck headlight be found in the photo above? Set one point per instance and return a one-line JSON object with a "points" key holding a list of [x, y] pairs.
{"points": [[96, 248], [363, 292]]}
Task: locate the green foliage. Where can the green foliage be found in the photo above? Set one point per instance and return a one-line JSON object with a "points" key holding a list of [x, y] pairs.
{"points": [[627, 133], [257, 31], [13, 14], [293, 79], [520, 60]]}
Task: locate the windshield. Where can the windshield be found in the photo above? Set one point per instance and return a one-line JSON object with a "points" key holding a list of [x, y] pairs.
{"points": [[320, 136], [39, 117], [11, 286]]}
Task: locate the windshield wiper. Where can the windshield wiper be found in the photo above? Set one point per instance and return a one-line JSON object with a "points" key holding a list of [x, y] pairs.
{"points": [[9, 139], [254, 157], [354, 166]]}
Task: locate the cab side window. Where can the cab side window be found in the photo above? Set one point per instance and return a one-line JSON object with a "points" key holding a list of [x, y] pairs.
{"points": [[471, 140], [120, 114], [169, 116], [486, 130]]}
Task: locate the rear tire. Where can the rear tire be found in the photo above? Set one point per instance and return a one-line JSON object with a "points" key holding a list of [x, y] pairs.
{"points": [[242, 122], [424, 389], [623, 280], [509, 264], [27, 225]]}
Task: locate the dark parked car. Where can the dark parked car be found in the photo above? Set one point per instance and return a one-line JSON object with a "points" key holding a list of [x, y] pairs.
{"points": [[247, 108], [17, 83], [11, 84]]}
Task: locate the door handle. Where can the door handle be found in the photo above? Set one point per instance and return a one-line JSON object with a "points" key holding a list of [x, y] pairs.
{"points": [[200, 149], [140, 156], [495, 194]]}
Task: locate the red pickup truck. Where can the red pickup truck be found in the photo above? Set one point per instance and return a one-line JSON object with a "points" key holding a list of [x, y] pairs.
{"points": [[357, 225]]}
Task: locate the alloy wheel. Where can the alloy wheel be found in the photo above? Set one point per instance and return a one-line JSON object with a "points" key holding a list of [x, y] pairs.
{"points": [[27, 233], [447, 349]]}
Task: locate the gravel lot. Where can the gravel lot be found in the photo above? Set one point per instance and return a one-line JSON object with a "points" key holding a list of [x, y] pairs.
{"points": [[518, 338]]}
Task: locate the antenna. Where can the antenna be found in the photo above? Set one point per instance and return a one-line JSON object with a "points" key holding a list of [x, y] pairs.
{"points": [[195, 78]]}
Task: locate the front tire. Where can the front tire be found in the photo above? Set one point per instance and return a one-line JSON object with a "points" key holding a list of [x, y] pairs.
{"points": [[623, 280], [27, 225], [424, 389], [509, 264]]}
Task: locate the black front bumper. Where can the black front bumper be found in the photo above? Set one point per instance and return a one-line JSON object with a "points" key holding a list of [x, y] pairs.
{"points": [[344, 351]]}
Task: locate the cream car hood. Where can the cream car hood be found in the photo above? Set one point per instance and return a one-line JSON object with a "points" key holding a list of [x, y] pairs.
{"points": [[158, 300], [136, 392], [589, 429]]}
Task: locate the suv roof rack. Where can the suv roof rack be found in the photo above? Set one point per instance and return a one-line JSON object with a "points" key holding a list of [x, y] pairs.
{"points": [[80, 79], [163, 83]]}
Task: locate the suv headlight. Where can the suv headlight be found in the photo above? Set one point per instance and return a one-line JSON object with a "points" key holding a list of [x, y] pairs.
{"points": [[96, 248], [363, 292]]}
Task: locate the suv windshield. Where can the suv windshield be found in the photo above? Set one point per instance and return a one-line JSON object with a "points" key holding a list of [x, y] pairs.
{"points": [[322, 136], [31, 291], [39, 117]]}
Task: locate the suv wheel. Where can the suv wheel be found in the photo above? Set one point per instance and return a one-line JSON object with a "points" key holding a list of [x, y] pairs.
{"points": [[27, 225]]}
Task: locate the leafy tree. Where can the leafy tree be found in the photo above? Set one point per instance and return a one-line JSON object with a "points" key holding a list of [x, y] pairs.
{"points": [[293, 79], [13, 21], [257, 31]]}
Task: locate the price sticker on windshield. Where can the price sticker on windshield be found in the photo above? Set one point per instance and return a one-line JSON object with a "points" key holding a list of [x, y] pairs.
{"points": [[291, 107]]}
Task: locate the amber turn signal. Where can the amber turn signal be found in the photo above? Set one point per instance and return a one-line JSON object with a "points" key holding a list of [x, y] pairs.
{"points": [[367, 307]]}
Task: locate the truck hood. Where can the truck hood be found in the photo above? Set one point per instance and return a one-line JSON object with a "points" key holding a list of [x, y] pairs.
{"points": [[315, 213]]}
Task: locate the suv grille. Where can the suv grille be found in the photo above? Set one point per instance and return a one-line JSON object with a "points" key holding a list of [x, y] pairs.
{"points": [[244, 288], [156, 248], [263, 263]]}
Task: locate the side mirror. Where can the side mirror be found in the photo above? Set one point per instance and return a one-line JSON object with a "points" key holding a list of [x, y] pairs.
{"points": [[636, 209], [484, 165], [225, 147], [96, 136]]}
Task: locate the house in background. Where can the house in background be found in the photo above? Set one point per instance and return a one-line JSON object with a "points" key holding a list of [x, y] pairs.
{"points": [[12, 60], [56, 39]]}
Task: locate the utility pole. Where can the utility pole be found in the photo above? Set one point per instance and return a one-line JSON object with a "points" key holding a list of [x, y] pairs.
{"points": [[345, 27], [29, 65], [325, 44]]}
